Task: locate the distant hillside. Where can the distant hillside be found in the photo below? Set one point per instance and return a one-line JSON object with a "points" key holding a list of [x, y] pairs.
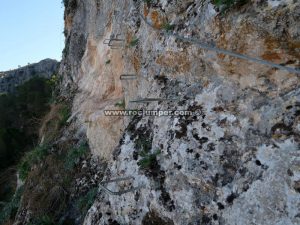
{"points": [[11, 79]]}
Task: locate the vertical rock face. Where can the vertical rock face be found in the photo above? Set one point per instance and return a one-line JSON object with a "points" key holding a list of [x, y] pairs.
{"points": [[9, 80], [236, 159]]}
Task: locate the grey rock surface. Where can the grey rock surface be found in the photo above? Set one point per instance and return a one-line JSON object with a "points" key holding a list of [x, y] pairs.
{"points": [[237, 160], [9, 80]]}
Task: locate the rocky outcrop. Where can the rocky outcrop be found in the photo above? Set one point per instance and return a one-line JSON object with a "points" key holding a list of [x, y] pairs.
{"points": [[9, 80], [236, 160]]}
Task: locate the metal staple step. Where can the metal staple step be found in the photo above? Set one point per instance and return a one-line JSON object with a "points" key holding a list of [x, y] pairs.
{"points": [[128, 77], [147, 100], [206, 46], [102, 187], [114, 41]]}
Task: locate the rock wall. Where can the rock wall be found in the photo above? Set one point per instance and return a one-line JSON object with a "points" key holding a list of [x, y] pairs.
{"points": [[9, 80], [234, 162]]}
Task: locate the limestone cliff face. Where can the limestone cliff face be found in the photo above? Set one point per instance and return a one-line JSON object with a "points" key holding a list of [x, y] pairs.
{"points": [[237, 160], [9, 80]]}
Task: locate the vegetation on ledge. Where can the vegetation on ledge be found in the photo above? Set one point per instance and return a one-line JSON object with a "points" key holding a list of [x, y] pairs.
{"points": [[224, 5]]}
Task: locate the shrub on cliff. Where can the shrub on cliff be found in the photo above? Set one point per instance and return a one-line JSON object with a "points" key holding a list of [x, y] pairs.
{"points": [[225, 5], [43, 220], [10, 208], [31, 158], [148, 159], [73, 157], [86, 201]]}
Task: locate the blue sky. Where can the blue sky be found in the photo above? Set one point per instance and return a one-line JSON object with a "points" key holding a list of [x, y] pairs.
{"points": [[30, 30]]}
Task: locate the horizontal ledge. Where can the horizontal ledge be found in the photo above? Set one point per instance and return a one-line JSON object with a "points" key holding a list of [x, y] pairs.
{"points": [[145, 100], [128, 77], [108, 41], [101, 186]]}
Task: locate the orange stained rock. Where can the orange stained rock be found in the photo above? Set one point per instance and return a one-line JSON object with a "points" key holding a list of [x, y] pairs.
{"points": [[146, 10], [157, 20], [68, 22], [271, 56], [136, 64], [175, 59]]}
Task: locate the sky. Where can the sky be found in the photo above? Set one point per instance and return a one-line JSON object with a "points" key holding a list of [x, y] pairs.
{"points": [[30, 31]]}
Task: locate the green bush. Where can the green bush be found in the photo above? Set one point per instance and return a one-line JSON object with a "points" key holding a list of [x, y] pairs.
{"points": [[134, 42], [224, 5], [148, 160], [143, 144], [85, 202], [64, 114], [54, 82], [31, 158], [148, 1], [33, 96], [73, 157], [121, 104], [168, 27], [10, 209], [43, 220]]}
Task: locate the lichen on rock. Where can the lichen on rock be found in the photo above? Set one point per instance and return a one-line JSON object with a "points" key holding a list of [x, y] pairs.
{"points": [[235, 161]]}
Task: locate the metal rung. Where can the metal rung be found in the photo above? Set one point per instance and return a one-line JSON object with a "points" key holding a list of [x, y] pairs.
{"points": [[116, 40], [147, 100], [101, 186], [207, 46], [128, 77], [108, 41], [117, 45]]}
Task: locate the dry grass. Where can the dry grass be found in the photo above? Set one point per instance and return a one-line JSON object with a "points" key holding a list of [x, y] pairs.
{"points": [[53, 122]]}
